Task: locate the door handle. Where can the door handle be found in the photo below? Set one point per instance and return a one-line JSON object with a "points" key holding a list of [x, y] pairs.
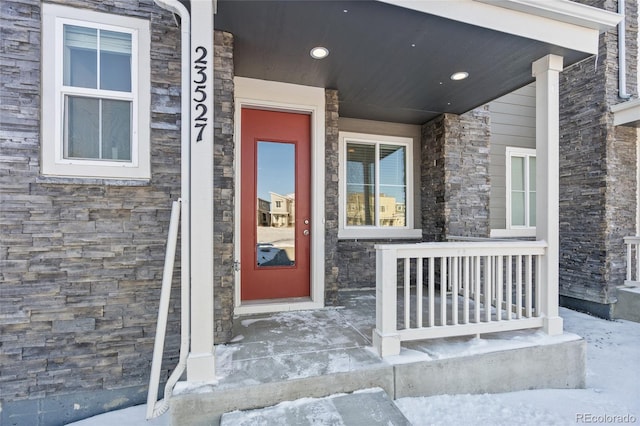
{"points": [[305, 232]]}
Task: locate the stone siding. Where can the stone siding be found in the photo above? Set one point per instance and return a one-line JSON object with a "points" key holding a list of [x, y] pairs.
{"points": [[597, 173], [224, 184], [455, 175], [331, 274], [81, 260]]}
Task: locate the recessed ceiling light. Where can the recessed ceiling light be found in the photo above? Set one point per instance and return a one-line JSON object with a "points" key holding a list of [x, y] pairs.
{"points": [[319, 52], [459, 75]]}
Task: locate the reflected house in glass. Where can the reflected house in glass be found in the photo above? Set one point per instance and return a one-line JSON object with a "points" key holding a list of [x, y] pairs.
{"points": [[392, 213], [264, 213], [283, 210]]}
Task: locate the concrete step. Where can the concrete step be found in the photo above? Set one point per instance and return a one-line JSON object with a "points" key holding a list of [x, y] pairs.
{"points": [[628, 305], [364, 408]]}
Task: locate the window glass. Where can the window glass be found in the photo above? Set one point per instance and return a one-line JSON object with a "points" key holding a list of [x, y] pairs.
{"points": [[115, 61], [517, 192], [517, 173], [82, 120], [392, 185], [517, 208], [80, 60], [116, 130], [532, 191], [360, 184], [522, 184], [96, 127], [376, 184]]}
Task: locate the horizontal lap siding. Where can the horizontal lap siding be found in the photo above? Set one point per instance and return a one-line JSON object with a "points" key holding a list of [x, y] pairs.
{"points": [[512, 124]]}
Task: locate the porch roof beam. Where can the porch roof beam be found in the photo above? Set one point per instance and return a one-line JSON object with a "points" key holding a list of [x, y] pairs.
{"points": [[559, 22]]}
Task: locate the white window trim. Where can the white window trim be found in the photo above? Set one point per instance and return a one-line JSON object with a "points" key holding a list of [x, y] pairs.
{"points": [[53, 161], [517, 152], [373, 232]]}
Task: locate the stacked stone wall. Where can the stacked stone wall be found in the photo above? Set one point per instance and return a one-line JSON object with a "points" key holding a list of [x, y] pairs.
{"points": [[332, 256], [224, 187], [597, 172], [81, 260], [432, 179], [455, 181]]}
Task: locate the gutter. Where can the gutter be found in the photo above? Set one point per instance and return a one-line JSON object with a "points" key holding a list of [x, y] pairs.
{"points": [[178, 8], [622, 53]]}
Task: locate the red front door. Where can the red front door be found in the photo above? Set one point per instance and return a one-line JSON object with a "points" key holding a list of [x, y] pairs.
{"points": [[275, 218]]}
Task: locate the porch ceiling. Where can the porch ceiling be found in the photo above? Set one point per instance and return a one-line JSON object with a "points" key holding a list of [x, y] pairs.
{"points": [[387, 62]]}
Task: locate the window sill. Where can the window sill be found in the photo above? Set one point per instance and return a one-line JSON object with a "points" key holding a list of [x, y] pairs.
{"points": [[513, 233], [61, 180], [379, 234]]}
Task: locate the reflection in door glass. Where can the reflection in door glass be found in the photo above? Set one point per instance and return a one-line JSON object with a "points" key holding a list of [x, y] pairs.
{"points": [[276, 206]]}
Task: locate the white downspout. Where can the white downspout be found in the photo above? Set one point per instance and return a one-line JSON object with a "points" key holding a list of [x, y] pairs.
{"points": [[622, 53], [178, 8]]}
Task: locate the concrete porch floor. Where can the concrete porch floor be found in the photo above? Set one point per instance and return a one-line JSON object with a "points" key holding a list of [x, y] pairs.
{"points": [[290, 355]]}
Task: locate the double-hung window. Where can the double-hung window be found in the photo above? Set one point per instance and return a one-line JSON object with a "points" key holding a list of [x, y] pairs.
{"points": [[96, 72], [521, 188], [376, 191]]}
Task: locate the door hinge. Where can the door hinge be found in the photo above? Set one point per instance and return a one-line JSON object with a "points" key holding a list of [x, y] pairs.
{"points": [[236, 266]]}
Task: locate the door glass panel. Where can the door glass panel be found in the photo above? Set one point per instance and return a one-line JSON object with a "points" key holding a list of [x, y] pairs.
{"points": [[276, 204]]}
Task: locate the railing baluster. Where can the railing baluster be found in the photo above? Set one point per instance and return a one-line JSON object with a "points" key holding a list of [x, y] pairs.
{"points": [[407, 292], [509, 288], [476, 299], [637, 245], [465, 308], [432, 297], [419, 265], [629, 261], [454, 290], [536, 285], [528, 292], [519, 287], [488, 275], [499, 283], [633, 259], [444, 279]]}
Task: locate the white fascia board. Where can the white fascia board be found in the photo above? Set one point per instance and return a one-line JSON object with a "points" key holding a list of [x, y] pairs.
{"points": [[626, 113], [558, 22], [564, 11]]}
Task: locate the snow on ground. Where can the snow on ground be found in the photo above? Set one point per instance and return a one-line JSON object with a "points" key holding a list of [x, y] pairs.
{"points": [[612, 395], [613, 387]]}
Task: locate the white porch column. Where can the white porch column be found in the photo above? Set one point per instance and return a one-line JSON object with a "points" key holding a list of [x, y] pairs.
{"points": [[201, 362], [546, 71], [386, 339]]}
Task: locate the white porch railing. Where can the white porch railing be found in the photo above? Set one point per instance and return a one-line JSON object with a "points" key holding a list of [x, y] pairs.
{"points": [[633, 260], [454, 289]]}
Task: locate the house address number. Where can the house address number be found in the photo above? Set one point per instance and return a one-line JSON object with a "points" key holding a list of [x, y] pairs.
{"points": [[200, 94]]}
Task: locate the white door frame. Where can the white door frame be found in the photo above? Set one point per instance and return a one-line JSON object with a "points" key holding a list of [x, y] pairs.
{"points": [[276, 96]]}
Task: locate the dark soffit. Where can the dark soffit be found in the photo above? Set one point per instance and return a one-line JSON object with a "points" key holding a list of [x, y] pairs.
{"points": [[388, 63]]}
